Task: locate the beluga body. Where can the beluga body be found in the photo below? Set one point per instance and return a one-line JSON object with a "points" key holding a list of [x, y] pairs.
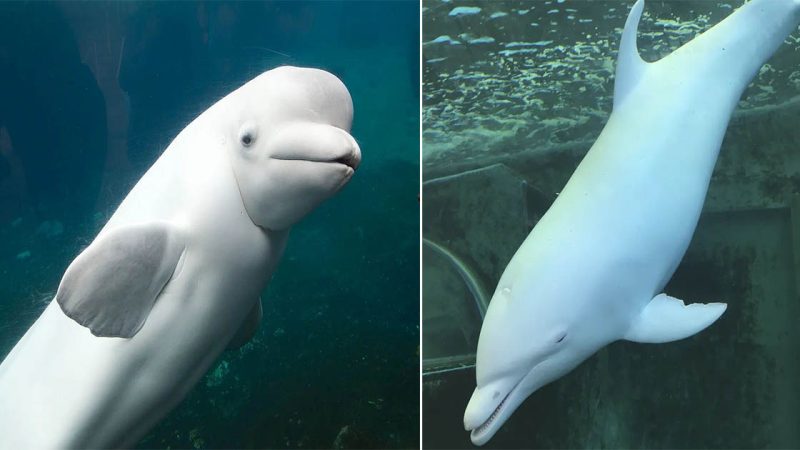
{"points": [[174, 277], [592, 270]]}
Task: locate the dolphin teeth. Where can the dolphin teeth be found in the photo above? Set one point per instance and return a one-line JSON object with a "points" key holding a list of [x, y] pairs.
{"points": [[491, 418]]}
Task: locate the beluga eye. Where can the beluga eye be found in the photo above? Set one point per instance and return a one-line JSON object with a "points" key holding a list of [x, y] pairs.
{"points": [[248, 133], [560, 337]]}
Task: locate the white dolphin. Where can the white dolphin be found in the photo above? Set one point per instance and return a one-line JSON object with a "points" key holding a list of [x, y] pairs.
{"points": [[175, 275], [592, 270]]}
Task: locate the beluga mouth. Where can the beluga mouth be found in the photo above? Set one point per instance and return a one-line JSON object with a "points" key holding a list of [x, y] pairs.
{"points": [[350, 160]]}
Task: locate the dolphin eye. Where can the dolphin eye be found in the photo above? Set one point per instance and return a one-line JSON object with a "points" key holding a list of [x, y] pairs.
{"points": [[248, 133]]}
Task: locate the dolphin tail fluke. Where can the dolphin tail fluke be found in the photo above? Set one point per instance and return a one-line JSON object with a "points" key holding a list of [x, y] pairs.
{"points": [[735, 49], [630, 65], [667, 319]]}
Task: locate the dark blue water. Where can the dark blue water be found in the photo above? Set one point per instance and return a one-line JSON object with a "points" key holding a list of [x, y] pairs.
{"points": [[91, 93]]}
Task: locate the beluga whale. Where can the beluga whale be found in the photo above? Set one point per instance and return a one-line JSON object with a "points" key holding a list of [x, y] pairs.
{"points": [[593, 269], [174, 276]]}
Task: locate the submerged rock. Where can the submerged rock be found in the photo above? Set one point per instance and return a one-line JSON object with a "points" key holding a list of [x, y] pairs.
{"points": [[351, 437]]}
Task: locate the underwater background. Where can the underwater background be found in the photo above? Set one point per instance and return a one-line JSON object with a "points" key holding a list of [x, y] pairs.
{"points": [[514, 94], [92, 92]]}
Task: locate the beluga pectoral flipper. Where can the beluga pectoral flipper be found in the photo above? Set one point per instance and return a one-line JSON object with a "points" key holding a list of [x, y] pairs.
{"points": [[593, 269], [111, 287]]}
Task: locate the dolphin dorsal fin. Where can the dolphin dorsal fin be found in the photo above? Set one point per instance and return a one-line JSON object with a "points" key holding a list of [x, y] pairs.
{"points": [[630, 65]]}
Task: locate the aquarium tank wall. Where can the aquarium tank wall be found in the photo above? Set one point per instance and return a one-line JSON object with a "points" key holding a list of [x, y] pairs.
{"points": [[514, 94], [92, 92]]}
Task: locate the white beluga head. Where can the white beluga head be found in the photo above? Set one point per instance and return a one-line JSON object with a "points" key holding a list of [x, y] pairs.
{"points": [[289, 141], [523, 346]]}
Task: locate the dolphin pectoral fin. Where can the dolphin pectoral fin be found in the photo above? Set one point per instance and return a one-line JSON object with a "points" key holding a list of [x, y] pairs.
{"points": [[248, 328], [667, 319], [111, 286]]}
